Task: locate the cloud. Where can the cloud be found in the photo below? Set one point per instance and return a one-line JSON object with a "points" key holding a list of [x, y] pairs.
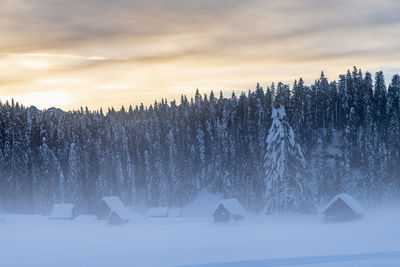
{"points": [[57, 25], [157, 45]]}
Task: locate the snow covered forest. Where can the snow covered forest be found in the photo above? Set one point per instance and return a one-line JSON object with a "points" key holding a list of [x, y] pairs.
{"points": [[166, 154]]}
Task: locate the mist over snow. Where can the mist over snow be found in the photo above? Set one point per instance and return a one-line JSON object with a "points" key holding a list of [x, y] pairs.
{"points": [[35, 241]]}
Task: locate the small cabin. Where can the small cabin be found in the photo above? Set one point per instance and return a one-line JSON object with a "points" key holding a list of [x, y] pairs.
{"points": [[158, 212], [110, 205], [63, 211], [342, 208], [228, 209]]}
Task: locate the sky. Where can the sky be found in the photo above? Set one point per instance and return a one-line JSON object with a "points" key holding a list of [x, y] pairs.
{"points": [[101, 53]]}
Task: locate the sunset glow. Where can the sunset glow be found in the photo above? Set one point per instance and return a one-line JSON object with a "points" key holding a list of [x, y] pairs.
{"points": [[30, 64], [127, 52]]}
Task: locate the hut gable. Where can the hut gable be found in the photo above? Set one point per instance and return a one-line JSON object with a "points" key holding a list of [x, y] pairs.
{"points": [[64, 211], [108, 205], [343, 207], [118, 217], [227, 209]]}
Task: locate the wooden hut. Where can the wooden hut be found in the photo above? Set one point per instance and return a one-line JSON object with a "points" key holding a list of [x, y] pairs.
{"points": [[113, 210], [228, 209], [342, 208], [63, 211]]}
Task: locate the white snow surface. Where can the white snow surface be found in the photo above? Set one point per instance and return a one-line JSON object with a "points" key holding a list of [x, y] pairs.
{"points": [[158, 212], [349, 200], [62, 211], [34, 241], [233, 206]]}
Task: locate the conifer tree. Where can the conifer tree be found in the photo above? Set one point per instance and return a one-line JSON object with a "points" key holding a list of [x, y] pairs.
{"points": [[285, 176]]}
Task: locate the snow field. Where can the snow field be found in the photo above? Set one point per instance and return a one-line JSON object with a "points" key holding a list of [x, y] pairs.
{"points": [[28, 240]]}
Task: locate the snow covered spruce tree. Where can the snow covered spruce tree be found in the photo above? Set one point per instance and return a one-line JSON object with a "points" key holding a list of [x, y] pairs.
{"points": [[285, 175]]}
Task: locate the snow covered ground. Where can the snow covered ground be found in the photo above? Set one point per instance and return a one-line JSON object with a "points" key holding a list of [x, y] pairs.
{"points": [[257, 240], [387, 258]]}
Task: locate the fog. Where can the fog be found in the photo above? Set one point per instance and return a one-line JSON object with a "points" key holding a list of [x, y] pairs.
{"points": [[255, 240]]}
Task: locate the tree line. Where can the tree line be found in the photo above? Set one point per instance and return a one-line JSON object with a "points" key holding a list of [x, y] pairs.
{"points": [[165, 154]]}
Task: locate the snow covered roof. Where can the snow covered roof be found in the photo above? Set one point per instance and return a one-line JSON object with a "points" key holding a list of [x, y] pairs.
{"points": [[113, 202], [233, 206], [349, 201], [158, 212], [116, 205], [62, 211]]}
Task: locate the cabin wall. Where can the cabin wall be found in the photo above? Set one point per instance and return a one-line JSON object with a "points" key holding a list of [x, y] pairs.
{"points": [[103, 211], [221, 214], [340, 211]]}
